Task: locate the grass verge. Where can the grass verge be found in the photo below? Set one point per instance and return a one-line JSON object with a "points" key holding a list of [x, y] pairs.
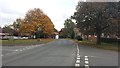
{"points": [[106, 46], [24, 42]]}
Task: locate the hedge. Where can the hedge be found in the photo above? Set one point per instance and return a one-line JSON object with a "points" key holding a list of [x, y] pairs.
{"points": [[110, 40]]}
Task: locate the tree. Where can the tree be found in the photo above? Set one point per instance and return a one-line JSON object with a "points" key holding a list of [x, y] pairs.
{"points": [[16, 24], [55, 30], [95, 17], [35, 19], [69, 28], [26, 29], [0, 30], [62, 33], [7, 29]]}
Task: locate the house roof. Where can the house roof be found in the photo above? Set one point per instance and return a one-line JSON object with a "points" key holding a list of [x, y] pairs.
{"points": [[4, 34]]}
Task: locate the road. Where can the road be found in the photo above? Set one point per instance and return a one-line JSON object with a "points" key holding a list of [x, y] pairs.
{"points": [[58, 53]]}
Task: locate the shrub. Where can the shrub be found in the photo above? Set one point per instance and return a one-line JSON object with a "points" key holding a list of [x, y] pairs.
{"points": [[79, 38], [110, 40]]}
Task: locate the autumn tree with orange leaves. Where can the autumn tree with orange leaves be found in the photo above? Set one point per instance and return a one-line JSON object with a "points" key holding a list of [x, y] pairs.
{"points": [[34, 19]]}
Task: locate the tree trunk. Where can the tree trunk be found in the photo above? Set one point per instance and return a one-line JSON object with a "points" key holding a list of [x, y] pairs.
{"points": [[98, 38], [87, 36]]}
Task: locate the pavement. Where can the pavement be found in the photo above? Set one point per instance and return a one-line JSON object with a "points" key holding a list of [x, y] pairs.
{"points": [[60, 52]]}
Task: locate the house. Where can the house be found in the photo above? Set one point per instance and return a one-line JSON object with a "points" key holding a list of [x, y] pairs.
{"points": [[4, 35]]}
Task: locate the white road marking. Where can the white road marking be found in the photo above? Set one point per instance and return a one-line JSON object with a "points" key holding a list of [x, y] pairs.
{"points": [[86, 59], [77, 49], [18, 50], [78, 54], [86, 66], [86, 62], [77, 65], [86, 56], [78, 58], [77, 61]]}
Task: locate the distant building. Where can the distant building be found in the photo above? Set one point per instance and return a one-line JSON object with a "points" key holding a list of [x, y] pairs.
{"points": [[3, 35], [55, 34]]}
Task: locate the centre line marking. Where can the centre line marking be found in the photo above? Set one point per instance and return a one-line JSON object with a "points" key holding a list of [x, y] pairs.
{"points": [[86, 58], [78, 58], [86, 66], [77, 61], [86, 62], [77, 65]]}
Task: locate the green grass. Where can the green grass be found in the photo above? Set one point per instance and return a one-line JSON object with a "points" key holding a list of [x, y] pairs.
{"points": [[25, 42], [107, 46]]}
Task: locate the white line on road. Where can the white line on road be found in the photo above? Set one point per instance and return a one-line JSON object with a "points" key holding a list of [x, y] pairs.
{"points": [[77, 61], [78, 54], [78, 58], [86, 66], [77, 65], [86, 59], [86, 56], [86, 62], [77, 49]]}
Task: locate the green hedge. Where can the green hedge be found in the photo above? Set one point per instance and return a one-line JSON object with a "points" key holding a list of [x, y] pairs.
{"points": [[110, 40], [79, 38]]}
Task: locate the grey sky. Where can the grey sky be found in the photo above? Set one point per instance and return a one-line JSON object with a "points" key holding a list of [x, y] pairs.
{"points": [[57, 10]]}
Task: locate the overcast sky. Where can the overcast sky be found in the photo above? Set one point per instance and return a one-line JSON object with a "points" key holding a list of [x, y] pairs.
{"points": [[57, 10]]}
